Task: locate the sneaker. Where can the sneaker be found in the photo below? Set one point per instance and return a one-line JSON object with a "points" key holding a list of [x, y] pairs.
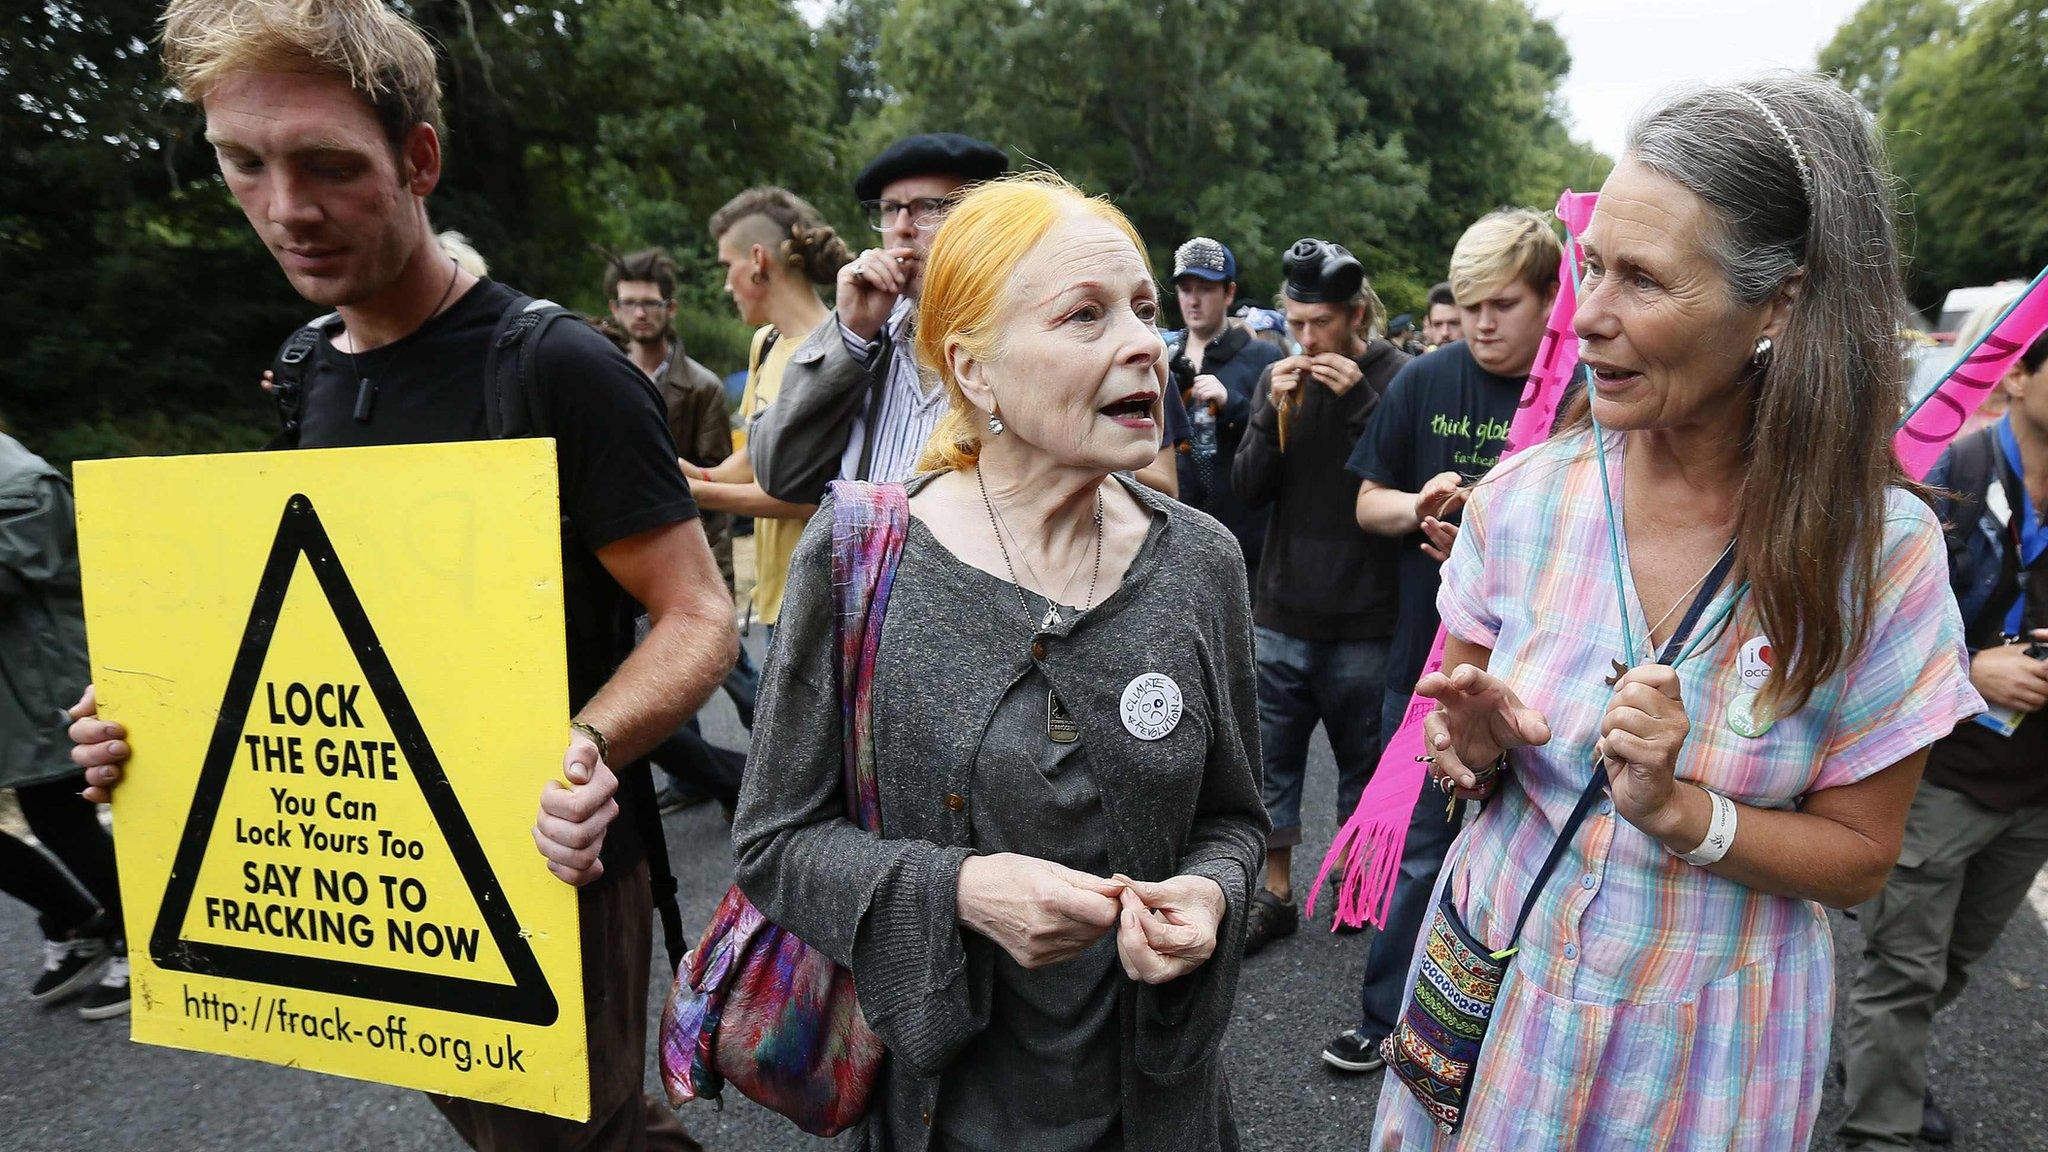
{"points": [[1354, 1051], [1935, 1125], [110, 998], [69, 967], [1271, 918]]}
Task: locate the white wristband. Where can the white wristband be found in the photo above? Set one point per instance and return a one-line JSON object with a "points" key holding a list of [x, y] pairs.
{"points": [[1720, 833]]}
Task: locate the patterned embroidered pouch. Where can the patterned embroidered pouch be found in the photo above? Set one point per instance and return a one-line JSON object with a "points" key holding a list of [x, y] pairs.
{"points": [[753, 1005], [1435, 1047]]}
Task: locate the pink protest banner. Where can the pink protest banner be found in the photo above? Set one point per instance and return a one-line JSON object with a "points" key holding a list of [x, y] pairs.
{"points": [[1370, 843], [1934, 422]]}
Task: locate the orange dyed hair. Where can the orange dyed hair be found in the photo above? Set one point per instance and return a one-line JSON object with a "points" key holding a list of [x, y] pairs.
{"points": [[967, 287]]}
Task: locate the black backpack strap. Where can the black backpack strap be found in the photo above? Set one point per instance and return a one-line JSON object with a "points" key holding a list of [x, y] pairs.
{"points": [[288, 376], [878, 384], [638, 781], [1972, 464], [512, 401]]}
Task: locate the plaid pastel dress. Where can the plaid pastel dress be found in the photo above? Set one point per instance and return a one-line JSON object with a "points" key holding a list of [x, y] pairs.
{"points": [[1653, 1004]]}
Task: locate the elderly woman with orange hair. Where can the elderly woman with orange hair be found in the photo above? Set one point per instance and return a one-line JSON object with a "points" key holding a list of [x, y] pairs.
{"points": [[1048, 931]]}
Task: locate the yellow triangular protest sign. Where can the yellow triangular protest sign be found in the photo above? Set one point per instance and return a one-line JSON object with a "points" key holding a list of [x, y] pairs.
{"points": [[345, 685]]}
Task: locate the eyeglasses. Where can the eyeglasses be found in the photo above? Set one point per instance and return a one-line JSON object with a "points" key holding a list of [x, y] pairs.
{"points": [[641, 305], [926, 212]]}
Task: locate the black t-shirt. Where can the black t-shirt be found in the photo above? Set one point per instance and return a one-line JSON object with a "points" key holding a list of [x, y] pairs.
{"points": [[617, 463], [1443, 413]]}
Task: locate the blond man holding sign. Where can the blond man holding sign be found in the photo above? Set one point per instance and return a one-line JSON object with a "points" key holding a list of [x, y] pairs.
{"points": [[325, 116]]}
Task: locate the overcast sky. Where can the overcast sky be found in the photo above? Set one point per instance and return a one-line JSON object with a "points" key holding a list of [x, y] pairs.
{"points": [[1624, 52]]}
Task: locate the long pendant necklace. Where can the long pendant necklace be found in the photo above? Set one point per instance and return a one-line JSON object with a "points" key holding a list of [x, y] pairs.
{"points": [[1685, 597], [1052, 617], [1060, 725]]}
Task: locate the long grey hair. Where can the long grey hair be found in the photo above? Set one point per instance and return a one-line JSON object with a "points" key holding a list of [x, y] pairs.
{"points": [[1796, 177]]}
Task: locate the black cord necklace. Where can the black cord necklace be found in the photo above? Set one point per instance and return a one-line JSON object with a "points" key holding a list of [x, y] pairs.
{"points": [[366, 392]]}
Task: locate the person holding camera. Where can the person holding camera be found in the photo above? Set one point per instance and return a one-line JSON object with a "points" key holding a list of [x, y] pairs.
{"points": [[1324, 602], [1215, 365], [1978, 830]]}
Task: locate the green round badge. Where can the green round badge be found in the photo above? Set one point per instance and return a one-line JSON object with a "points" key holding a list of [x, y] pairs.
{"points": [[1748, 718]]}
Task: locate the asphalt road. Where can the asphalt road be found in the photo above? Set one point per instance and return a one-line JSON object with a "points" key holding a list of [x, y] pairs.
{"points": [[67, 1084]]}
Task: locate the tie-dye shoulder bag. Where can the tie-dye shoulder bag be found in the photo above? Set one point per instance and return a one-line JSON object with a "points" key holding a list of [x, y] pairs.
{"points": [[753, 1006]]}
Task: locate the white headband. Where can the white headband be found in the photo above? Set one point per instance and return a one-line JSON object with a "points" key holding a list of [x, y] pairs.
{"points": [[1791, 145]]}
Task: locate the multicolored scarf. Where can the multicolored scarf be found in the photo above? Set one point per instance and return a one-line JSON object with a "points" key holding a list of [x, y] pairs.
{"points": [[753, 1005]]}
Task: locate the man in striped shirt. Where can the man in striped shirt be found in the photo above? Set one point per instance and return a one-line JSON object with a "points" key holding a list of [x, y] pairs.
{"points": [[853, 404]]}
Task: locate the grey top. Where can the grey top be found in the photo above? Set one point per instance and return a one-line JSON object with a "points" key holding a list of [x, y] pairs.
{"points": [[1186, 802], [1042, 1077]]}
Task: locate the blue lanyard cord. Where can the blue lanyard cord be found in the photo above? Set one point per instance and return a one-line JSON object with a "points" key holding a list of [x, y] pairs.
{"points": [[1699, 634], [1690, 628]]}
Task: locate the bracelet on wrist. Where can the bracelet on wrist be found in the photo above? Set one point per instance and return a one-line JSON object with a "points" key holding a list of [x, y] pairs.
{"points": [[1720, 834], [604, 746]]}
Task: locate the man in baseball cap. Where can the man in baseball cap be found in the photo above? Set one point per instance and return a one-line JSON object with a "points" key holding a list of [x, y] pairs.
{"points": [[1216, 363], [853, 404]]}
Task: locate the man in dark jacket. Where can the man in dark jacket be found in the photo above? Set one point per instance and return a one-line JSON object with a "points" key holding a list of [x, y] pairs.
{"points": [[42, 661], [1441, 426], [853, 405], [1978, 832], [640, 289], [1324, 603], [1216, 363]]}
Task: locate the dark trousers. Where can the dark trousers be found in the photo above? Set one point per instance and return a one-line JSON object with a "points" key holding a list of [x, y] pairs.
{"points": [[75, 880], [1963, 871], [698, 763], [1338, 683], [1430, 832], [618, 941], [743, 684]]}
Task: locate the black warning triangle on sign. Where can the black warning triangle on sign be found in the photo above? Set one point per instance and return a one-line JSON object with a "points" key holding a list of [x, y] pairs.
{"points": [[527, 1000]]}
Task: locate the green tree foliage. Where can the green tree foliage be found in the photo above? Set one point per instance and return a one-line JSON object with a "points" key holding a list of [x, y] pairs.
{"points": [[138, 310], [1868, 50], [1963, 93], [131, 282], [138, 307], [1386, 126]]}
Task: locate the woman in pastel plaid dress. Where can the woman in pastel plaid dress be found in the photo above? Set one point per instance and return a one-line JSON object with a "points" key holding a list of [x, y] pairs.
{"points": [[1674, 987]]}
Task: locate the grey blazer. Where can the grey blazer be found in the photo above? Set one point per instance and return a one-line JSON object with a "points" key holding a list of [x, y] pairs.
{"points": [[797, 442], [887, 907]]}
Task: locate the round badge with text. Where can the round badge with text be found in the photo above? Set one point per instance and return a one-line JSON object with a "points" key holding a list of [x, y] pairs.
{"points": [[1748, 717], [1151, 706]]}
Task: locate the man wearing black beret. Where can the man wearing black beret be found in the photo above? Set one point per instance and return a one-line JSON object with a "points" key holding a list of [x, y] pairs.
{"points": [[853, 405]]}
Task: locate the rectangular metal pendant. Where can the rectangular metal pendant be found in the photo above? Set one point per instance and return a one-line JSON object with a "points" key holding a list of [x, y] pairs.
{"points": [[1059, 725]]}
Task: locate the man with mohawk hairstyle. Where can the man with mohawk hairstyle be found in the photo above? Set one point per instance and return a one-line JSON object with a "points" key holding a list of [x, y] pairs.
{"points": [[325, 115]]}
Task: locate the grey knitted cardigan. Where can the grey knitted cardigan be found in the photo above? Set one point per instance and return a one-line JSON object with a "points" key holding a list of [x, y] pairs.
{"points": [[886, 907]]}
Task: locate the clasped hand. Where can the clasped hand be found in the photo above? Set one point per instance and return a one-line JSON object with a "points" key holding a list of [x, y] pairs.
{"points": [[1042, 913], [1478, 718], [1640, 738], [1337, 373]]}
